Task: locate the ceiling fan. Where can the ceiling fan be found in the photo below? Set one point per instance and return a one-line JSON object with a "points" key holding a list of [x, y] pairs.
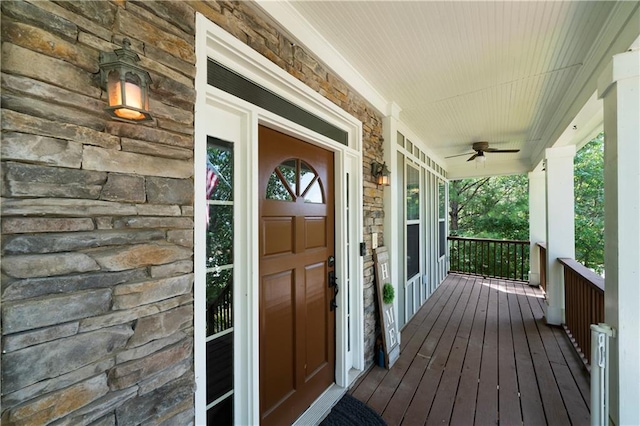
{"points": [[480, 148]]}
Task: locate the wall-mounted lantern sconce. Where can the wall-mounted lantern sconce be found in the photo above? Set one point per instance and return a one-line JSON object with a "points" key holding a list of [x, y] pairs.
{"points": [[127, 84], [381, 173]]}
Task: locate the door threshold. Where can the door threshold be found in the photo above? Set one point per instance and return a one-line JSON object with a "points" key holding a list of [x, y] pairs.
{"points": [[321, 406]]}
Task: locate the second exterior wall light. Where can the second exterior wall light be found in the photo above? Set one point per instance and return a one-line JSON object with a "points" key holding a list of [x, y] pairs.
{"points": [[381, 173], [127, 84]]}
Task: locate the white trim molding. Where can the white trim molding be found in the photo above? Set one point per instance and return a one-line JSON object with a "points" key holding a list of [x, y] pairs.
{"points": [[300, 29], [224, 116]]}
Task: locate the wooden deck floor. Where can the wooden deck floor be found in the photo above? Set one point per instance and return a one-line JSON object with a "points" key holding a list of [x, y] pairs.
{"points": [[479, 352]]}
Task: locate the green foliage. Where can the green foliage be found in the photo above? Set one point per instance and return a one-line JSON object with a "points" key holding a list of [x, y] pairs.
{"points": [[220, 230], [388, 293], [495, 207], [276, 190], [498, 207], [589, 204]]}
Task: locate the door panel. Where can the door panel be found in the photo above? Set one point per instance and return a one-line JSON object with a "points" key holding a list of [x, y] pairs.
{"points": [[315, 232], [278, 293], [278, 232], [316, 321], [297, 326]]}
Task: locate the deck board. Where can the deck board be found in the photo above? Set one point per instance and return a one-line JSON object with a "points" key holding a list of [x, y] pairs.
{"points": [[509, 411], [418, 408], [554, 409], [443, 404], [479, 352], [465, 401], [487, 404], [576, 407], [575, 364], [530, 402]]}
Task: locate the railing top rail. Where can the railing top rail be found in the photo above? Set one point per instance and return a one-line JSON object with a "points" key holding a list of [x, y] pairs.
{"points": [[542, 244], [452, 237], [587, 274]]}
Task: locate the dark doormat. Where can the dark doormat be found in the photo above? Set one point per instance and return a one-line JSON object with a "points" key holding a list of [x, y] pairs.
{"points": [[352, 412]]}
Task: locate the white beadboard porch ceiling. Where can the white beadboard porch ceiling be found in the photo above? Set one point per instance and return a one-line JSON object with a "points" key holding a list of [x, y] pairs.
{"points": [[461, 72]]}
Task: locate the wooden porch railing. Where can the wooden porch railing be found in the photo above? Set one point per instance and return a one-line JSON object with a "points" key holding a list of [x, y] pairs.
{"points": [[220, 311], [507, 259], [543, 265], [584, 304]]}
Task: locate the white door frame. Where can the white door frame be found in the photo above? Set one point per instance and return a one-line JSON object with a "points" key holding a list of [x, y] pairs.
{"points": [[229, 118]]}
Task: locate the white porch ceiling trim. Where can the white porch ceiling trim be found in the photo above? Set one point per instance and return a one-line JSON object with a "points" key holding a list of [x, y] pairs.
{"points": [[495, 168], [625, 15], [534, 105], [299, 28]]}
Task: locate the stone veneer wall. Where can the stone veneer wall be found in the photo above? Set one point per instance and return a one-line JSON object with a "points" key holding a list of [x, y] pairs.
{"points": [[97, 215]]}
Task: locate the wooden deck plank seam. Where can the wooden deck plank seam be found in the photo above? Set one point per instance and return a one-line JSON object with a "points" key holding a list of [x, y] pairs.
{"points": [[530, 400], [377, 374], [472, 361], [495, 328], [574, 403], [440, 330], [411, 350], [458, 313], [543, 368], [454, 363]]}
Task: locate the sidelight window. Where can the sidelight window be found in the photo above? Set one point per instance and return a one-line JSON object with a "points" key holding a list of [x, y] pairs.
{"points": [[413, 221], [219, 264]]}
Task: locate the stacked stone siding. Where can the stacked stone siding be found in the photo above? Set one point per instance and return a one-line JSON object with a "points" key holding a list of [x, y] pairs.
{"points": [[97, 215]]}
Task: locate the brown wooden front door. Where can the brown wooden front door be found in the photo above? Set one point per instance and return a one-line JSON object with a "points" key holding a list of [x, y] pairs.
{"points": [[297, 325]]}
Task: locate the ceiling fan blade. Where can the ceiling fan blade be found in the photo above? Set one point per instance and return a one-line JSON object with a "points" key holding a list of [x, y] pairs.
{"points": [[473, 157], [459, 155]]}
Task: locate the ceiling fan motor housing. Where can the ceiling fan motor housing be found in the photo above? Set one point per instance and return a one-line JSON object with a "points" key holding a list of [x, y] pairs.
{"points": [[480, 146]]}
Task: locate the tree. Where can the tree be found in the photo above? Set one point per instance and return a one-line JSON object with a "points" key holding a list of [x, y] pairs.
{"points": [[498, 207], [589, 204], [495, 207]]}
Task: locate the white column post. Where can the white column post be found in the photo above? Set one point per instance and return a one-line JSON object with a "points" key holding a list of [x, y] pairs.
{"points": [[560, 226], [619, 87], [391, 200], [537, 223]]}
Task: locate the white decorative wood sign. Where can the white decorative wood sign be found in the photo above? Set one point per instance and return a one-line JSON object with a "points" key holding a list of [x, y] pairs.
{"points": [[390, 332]]}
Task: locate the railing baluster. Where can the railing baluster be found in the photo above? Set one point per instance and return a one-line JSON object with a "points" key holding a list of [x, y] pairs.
{"points": [[522, 273], [490, 258], [220, 311], [543, 265]]}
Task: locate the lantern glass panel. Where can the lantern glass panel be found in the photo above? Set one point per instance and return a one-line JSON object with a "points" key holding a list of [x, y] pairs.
{"points": [[129, 96]]}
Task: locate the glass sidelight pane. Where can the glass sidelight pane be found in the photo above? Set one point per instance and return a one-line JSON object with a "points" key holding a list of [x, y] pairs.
{"points": [[220, 235], [442, 226], [413, 193], [219, 281], [220, 169], [413, 250]]}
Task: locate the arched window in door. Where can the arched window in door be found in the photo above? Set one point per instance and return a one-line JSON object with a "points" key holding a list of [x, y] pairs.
{"points": [[294, 179]]}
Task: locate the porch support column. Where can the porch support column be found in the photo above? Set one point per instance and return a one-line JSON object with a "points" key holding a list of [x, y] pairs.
{"points": [[537, 223], [392, 238], [560, 226], [619, 87]]}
